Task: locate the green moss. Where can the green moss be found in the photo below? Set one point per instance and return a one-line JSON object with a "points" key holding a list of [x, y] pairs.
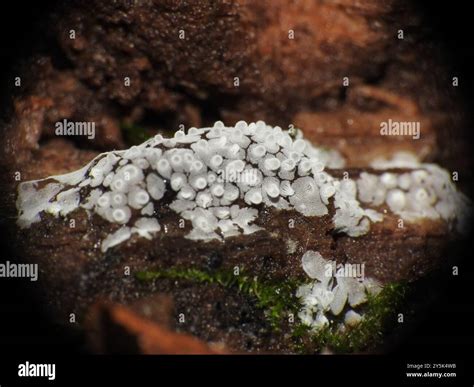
{"points": [[366, 334], [279, 301], [134, 134]]}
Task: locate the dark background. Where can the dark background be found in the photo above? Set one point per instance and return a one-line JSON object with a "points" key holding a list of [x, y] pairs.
{"points": [[441, 330]]}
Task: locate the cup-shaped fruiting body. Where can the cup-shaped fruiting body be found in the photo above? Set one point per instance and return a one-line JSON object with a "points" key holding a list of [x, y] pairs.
{"points": [[178, 180], [137, 198], [118, 199], [253, 196], [217, 190], [272, 163], [121, 215], [304, 167], [216, 161], [271, 186], [163, 167], [326, 191]]}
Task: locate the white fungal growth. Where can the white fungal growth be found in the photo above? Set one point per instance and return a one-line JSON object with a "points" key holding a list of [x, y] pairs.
{"points": [[332, 292], [121, 215], [149, 209], [137, 198], [67, 201], [306, 198], [272, 163], [204, 199], [271, 186], [389, 180], [304, 167], [425, 192], [198, 182], [163, 168], [178, 181], [314, 266], [105, 199], [258, 151], [253, 196], [217, 190], [155, 186], [326, 191], [398, 160], [288, 165], [352, 318], [146, 227], [286, 189], [396, 200], [218, 178], [118, 199], [114, 239], [118, 185]]}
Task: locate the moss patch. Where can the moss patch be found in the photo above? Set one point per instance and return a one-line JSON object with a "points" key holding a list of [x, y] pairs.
{"points": [[279, 301], [368, 333], [134, 134]]}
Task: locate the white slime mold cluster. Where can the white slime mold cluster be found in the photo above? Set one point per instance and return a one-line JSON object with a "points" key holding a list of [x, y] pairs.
{"points": [[217, 178], [426, 191], [332, 293]]}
